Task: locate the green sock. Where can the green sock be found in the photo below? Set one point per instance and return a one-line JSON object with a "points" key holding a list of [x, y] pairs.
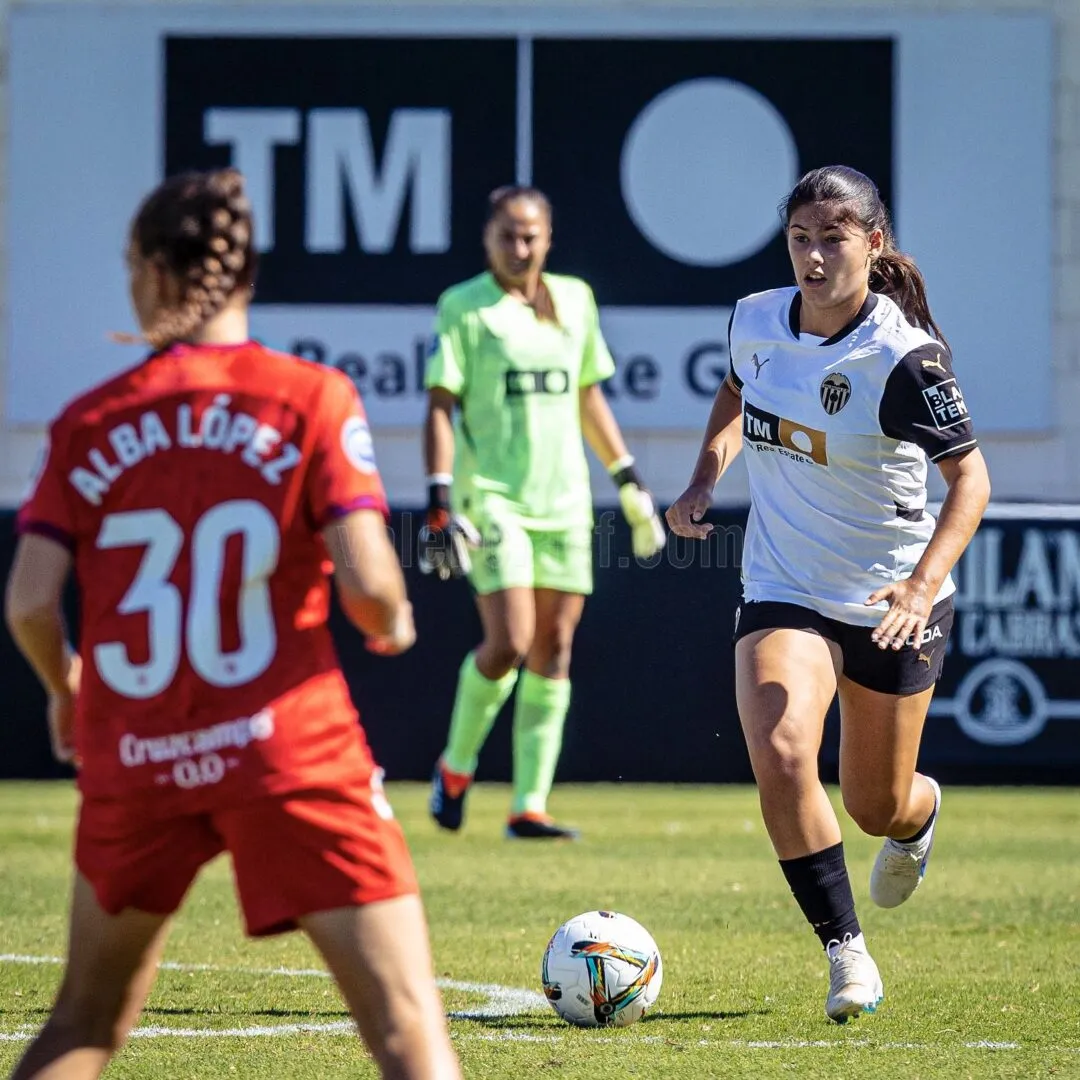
{"points": [[539, 717], [476, 705]]}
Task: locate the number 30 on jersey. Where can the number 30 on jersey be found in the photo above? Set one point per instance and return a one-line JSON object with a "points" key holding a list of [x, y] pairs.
{"points": [[170, 634]]}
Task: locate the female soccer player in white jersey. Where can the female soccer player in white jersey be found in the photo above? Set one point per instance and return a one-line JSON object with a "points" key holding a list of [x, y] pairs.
{"points": [[840, 391], [518, 354]]}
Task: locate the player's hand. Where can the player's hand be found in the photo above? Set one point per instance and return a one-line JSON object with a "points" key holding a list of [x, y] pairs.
{"points": [[685, 513], [61, 714], [646, 529], [400, 639], [444, 543], [910, 603]]}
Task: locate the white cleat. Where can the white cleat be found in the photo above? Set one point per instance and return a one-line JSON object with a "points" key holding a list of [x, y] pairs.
{"points": [[854, 982], [899, 868]]}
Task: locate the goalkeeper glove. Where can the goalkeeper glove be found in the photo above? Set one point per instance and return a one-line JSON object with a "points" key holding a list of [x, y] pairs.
{"points": [[646, 529], [445, 537]]}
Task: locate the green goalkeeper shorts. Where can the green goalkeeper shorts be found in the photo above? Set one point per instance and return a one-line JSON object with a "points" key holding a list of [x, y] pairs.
{"points": [[513, 556]]}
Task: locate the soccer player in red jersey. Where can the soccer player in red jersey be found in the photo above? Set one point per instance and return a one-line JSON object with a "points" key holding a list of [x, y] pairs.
{"points": [[197, 497]]}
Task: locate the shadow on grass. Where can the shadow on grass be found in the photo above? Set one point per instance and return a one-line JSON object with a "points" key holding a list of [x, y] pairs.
{"points": [[297, 1014], [742, 1014], [554, 1024]]}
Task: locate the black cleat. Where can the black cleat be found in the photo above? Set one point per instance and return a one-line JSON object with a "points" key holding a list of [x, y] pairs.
{"points": [[537, 827], [448, 810]]}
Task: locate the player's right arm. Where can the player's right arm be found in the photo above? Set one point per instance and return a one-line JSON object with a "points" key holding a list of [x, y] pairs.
{"points": [[719, 447], [445, 538], [439, 448], [369, 581]]}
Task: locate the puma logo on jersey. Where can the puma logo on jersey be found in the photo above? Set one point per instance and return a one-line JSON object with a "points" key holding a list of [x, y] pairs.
{"points": [[758, 364], [934, 363], [925, 657]]}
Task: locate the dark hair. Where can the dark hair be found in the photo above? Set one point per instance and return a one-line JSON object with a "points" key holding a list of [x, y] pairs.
{"points": [[892, 273], [498, 200], [199, 225]]}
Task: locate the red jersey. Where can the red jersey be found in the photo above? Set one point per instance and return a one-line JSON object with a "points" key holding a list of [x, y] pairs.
{"points": [[191, 491]]}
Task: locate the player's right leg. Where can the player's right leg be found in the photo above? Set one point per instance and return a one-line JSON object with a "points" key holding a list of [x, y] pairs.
{"points": [[502, 576], [380, 957], [786, 678], [133, 872], [334, 862], [112, 962]]}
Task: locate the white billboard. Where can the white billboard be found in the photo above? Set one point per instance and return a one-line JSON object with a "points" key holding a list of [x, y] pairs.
{"points": [[371, 136]]}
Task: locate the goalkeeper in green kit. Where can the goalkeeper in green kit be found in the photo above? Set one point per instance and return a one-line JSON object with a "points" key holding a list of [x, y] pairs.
{"points": [[518, 357]]}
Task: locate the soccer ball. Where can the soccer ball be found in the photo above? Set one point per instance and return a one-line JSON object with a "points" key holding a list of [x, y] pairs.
{"points": [[601, 969]]}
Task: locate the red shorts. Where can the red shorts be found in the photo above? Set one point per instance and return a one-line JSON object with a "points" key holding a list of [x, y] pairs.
{"points": [[293, 855]]}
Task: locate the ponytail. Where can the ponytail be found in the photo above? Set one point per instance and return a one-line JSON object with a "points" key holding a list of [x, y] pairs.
{"points": [[895, 275], [543, 304]]}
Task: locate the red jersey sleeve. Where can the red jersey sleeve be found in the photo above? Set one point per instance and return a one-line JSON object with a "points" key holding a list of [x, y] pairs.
{"points": [[343, 475], [47, 510]]}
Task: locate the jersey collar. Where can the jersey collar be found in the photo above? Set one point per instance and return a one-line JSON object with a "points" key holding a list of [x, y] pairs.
{"points": [[796, 306]]}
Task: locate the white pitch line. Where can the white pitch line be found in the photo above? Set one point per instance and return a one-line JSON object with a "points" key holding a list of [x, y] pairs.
{"points": [[502, 1001], [347, 1028]]}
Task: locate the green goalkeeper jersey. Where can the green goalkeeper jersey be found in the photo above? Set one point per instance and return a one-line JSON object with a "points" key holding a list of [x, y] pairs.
{"points": [[519, 443]]}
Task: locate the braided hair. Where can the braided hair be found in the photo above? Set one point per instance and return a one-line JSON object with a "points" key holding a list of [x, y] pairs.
{"points": [[198, 225]]}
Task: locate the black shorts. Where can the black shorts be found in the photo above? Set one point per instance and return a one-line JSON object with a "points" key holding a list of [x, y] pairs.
{"points": [[909, 670]]}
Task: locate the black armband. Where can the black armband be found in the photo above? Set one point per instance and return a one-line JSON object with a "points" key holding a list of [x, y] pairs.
{"points": [[438, 496], [626, 474]]}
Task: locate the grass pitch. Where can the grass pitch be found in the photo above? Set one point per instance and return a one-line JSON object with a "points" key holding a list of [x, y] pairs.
{"points": [[981, 968]]}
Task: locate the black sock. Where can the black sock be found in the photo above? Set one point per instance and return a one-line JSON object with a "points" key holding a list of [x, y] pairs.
{"points": [[923, 831], [822, 889]]}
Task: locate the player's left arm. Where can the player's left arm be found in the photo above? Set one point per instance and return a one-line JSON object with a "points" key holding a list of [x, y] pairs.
{"points": [[923, 404], [601, 431], [968, 482], [34, 615]]}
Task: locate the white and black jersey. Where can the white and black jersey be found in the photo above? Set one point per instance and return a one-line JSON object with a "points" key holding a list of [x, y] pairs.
{"points": [[837, 433]]}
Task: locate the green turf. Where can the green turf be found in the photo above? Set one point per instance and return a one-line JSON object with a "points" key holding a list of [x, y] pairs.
{"points": [[988, 952]]}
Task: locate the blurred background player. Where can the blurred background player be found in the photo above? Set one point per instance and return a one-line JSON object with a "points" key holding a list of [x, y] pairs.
{"points": [[519, 355], [840, 390], [196, 496]]}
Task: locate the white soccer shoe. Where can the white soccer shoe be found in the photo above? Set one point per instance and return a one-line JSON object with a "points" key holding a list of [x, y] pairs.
{"points": [[899, 868], [854, 982]]}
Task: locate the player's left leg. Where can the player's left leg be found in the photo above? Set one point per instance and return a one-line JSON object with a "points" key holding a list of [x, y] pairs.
{"points": [[502, 578], [884, 697], [333, 861], [112, 962], [380, 958], [543, 700], [885, 796]]}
